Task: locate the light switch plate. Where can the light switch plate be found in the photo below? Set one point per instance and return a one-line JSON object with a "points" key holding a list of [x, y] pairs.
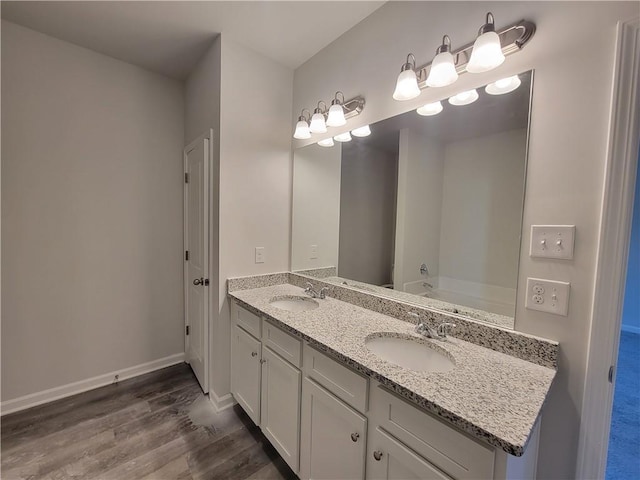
{"points": [[260, 257], [313, 252], [552, 241], [548, 296]]}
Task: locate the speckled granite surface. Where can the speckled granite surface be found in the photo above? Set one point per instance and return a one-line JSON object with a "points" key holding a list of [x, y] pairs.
{"points": [[324, 272], [492, 396], [257, 281]]}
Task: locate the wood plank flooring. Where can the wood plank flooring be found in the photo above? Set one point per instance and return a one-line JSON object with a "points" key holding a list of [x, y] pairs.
{"points": [[157, 426]]}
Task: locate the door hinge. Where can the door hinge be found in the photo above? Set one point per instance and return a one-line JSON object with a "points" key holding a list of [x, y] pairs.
{"points": [[187, 329], [611, 370], [186, 177], [186, 255]]}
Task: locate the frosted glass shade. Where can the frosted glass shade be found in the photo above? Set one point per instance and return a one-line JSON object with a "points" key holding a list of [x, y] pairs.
{"points": [[343, 137], [464, 98], [430, 109], [361, 132], [336, 116], [317, 124], [406, 86], [486, 54], [327, 142], [443, 71], [302, 130], [504, 85]]}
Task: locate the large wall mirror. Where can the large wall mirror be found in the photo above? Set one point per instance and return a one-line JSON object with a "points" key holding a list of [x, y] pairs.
{"points": [[427, 209]]}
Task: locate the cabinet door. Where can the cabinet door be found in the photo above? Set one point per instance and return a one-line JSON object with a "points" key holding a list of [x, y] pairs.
{"points": [[333, 436], [280, 410], [245, 372], [388, 459]]}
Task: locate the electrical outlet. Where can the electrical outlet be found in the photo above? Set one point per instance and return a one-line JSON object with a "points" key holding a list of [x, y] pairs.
{"points": [[260, 255], [552, 241], [313, 252], [548, 296]]}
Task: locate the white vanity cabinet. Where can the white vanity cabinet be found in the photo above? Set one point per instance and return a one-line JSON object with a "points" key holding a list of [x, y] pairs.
{"points": [[266, 380]]}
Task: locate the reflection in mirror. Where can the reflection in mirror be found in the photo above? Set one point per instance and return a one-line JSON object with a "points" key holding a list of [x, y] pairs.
{"points": [[427, 209]]}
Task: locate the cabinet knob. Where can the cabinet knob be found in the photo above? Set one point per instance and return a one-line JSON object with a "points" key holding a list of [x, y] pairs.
{"points": [[254, 354], [355, 436], [377, 455], [262, 360]]}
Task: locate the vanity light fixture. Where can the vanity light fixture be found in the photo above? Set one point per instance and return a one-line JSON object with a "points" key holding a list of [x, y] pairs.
{"points": [[361, 131], [336, 113], [318, 124], [487, 51], [464, 98], [479, 56], [430, 109], [327, 142], [407, 83], [504, 85], [302, 127], [343, 137], [443, 68]]}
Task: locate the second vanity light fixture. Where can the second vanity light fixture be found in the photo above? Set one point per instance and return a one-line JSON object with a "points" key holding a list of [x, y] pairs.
{"points": [[334, 116], [486, 53]]}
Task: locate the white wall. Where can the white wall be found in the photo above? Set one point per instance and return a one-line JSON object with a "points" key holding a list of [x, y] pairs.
{"points": [[482, 207], [420, 177], [255, 179], [92, 214], [316, 206], [572, 54]]}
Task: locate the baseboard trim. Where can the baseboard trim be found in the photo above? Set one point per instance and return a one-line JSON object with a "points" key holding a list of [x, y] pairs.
{"points": [[630, 328], [56, 393], [221, 403]]}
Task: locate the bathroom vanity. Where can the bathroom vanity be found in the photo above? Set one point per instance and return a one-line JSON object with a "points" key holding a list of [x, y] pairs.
{"points": [[335, 408]]}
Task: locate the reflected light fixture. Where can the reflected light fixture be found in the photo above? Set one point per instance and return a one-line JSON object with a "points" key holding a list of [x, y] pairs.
{"points": [[302, 127], [317, 120], [504, 85], [343, 137], [336, 112], [361, 131], [430, 109], [407, 83], [464, 98], [487, 51], [327, 142], [443, 67]]}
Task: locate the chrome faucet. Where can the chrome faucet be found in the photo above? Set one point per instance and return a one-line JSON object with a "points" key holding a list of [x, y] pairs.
{"points": [[439, 333], [322, 294]]}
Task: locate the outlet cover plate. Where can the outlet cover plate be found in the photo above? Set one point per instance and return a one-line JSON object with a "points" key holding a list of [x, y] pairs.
{"points": [[548, 296], [552, 241], [260, 256]]}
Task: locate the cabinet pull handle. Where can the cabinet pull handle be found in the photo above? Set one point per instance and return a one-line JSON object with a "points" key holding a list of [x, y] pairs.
{"points": [[262, 360], [254, 354], [377, 455], [355, 436]]}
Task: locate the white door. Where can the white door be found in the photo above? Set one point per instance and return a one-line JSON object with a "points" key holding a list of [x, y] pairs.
{"points": [[196, 270]]}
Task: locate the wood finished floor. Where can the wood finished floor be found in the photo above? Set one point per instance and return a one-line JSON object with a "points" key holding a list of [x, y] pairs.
{"points": [[157, 426]]}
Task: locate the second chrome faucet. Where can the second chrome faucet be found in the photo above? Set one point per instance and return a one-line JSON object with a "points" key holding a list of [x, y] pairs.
{"points": [[422, 328], [315, 294]]}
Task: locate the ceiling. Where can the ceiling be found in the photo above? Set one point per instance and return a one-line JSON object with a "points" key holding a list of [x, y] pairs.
{"points": [[170, 37]]}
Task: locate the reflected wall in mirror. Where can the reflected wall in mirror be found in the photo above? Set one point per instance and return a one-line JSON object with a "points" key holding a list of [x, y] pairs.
{"points": [[427, 209]]}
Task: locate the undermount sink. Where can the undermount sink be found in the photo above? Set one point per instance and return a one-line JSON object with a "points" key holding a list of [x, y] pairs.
{"points": [[408, 352], [294, 303]]}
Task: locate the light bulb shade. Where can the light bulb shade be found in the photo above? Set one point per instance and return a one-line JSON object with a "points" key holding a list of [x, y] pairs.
{"points": [[361, 132], [302, 130], [430, 109], [317, 124], [464, 98], [343, 137], [327, 142], [486, 54], [443, 71], [504, 85], [406, 86], [336, 116]]}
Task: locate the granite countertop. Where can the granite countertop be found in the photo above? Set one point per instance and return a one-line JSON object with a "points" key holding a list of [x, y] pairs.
{"points": [[492, 396]]}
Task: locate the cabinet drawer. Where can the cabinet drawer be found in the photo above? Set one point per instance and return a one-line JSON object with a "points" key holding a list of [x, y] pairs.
{"points": [[247, 320], [448, 449], [285, 345], [343, 382]]}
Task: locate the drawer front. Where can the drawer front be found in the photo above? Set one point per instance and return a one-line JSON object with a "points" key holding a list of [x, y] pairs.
{"points": [[285, 345], [343, 382], [247, 320], [448, 449]]}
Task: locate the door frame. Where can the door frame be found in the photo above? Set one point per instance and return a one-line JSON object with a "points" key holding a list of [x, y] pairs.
{"points": [[613, 253], [208, 135]]}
